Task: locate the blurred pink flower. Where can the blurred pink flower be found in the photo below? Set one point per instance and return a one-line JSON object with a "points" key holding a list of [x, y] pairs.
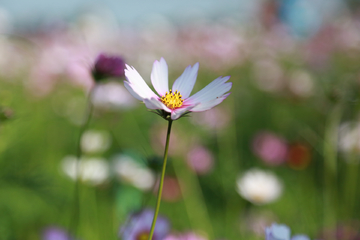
{"points": [[158, 139], [200, 160], [171, 189], [347, 231], [319, 48], [55, 233], [185, 236], [271, 148], [60, 57], [215, 118]]}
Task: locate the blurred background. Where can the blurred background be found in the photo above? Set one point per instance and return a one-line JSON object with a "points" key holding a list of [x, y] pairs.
{"points": [[283, 147]]}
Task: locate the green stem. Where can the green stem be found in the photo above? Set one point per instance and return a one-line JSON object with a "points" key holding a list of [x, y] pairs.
{"points": [[87, 117], [161, 181], [330, 175]]}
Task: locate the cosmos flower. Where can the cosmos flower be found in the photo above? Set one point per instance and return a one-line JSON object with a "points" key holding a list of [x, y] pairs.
{"points": [[138, 226], [259, 187], [177, 101], [282, 232]]}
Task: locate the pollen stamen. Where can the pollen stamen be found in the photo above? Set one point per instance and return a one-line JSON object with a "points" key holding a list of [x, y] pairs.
{"points": [[172, 99]]}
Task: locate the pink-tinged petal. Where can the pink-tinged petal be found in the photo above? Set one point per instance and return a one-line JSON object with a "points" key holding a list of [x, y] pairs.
{"points": [[185, 83], [210, 104], [155, 103], [137, 84], [159, 77], [212, 91], [176, 113]]}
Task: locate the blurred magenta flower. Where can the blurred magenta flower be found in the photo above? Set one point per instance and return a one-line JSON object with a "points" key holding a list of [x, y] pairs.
{"points": [[270, 148], [176, 103], [185, 236], [139, 224], [55, 233], [282, 232], [200, 160], [107, 66]]}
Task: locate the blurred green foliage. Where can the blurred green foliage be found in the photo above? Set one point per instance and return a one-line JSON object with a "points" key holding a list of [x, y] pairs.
{"points": [[37, 135]]}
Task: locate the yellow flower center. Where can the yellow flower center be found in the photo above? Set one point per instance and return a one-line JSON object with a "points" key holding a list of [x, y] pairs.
{"points": [[172, 99]]}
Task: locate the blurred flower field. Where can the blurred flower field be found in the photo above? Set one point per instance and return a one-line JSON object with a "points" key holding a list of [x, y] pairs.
{"points": [[284, 147]]}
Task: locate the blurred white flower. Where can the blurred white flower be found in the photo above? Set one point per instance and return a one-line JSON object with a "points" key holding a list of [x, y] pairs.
{"points": [[349, 137], [112, 96], [301, 83], [268, 75], [93, 141], [92, 170], [134, 173], [258, 186], [257, 221]]}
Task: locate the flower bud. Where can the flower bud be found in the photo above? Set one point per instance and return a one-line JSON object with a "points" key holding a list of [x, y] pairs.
{"points": [[108, 67]]}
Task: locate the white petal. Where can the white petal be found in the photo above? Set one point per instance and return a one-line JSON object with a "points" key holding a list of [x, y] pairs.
{"points": [[129, 87], [137, 84], [210, 104], [159, 77], [185, 83], [180, 111], [212, 91], [154, 103]]}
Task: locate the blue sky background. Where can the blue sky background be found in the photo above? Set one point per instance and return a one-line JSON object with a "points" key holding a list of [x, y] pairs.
{"points": [[30, 12]]}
